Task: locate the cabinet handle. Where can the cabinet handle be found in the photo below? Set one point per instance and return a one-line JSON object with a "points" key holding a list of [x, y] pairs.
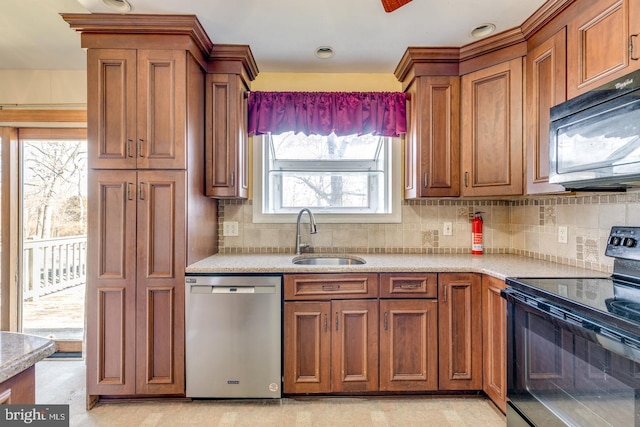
{"points": [[426, 181], [129, 192], [326, 323], [140, 148], [466, 179], [142, 191], [445, 294], [129, 148], [386, 321], [232, 178], [336, 320], [631, 37], [410, 286], [330, 287]]}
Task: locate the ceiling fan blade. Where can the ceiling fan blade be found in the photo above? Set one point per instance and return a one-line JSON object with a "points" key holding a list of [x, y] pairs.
{"points": [[391, 5]]}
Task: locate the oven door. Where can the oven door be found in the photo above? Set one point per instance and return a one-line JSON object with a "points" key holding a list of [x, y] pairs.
{"points": [[563, 370]]}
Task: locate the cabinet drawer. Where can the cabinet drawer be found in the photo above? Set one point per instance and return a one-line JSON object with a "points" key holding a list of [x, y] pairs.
{"points": [[409, 285], [328, 286]]}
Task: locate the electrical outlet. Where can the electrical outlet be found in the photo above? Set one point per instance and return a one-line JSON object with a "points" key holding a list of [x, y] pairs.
{"points": [[562, 234], [230, 228], [447, 229]]}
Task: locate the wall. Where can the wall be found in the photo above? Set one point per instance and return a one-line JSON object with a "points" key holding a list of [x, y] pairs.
{"points": [[43, 88]]}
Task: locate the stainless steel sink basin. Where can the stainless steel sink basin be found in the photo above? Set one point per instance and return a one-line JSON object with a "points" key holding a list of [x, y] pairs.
{"points": [[328, 260]]}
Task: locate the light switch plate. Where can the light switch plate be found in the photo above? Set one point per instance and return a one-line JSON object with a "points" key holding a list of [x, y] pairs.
{"points": [[447, 229], [562, 234], [229, 228]]}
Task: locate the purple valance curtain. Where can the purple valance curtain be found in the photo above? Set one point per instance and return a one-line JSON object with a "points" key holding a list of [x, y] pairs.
{"points": [[323, 113]]}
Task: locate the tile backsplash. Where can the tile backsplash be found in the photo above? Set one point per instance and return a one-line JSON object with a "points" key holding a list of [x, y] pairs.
{"points": [[526, 226]]}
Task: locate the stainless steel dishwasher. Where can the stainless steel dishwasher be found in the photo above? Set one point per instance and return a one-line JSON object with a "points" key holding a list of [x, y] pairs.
{"points": [[233, 336]]}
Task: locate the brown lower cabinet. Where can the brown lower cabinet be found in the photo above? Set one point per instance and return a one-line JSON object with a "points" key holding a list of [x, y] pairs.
{"points": [[135, 294], [330, 346], [494, 341], [394, 332], [460, 331], [409, 345]]}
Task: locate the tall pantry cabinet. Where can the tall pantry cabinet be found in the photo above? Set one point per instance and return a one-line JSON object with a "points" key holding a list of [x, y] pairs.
{"points": [[148, 213]]}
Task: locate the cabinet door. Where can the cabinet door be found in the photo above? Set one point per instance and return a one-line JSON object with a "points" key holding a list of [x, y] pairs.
{"points": [[354, 345], [460, 331], [494, 341], [432, 143], [492, 130], [227, 173], [111, 108], [307, 347], [161, 110], [160, 282], [111, 281], [409, 345], [602, 41], [546, 87]]}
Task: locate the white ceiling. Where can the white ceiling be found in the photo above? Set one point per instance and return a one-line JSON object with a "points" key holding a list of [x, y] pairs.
{"points": [[282, 34]]}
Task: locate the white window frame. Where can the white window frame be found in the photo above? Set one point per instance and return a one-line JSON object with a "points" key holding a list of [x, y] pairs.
{"points": [[393, 181]]}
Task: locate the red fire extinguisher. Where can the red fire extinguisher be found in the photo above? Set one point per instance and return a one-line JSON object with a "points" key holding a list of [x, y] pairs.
{"points": [[476, 234]]}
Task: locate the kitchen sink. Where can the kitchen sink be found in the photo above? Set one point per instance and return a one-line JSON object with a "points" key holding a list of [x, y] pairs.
{"points": [[328, 260]]}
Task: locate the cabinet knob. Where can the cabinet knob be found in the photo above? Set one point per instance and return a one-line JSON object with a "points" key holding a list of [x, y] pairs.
{"points": [[140, 154], [466, 179], [129, 148], [386, 321], [425, 180], [142, 191]]}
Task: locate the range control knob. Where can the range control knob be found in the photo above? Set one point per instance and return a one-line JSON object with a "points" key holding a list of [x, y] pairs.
{"points": [[615, 241], [629, 242]]}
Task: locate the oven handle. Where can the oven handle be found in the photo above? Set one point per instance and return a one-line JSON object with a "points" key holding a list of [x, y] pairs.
{"points": [[611, 339]]}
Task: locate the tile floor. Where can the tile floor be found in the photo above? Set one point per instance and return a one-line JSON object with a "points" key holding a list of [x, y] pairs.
{"points": [[63, 382]]}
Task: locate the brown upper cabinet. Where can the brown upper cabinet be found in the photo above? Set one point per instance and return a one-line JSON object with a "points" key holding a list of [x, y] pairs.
{"points": [[432, 142], [491, 147], [226, 148], [137, 108], [546, 77], [602, 42]]}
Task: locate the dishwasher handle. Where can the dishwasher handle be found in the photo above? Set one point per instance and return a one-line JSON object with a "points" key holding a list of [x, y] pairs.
{"points": [[233, 289]]}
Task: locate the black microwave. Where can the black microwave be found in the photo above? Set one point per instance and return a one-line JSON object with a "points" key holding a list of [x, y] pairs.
{"points": [[594, 141]]}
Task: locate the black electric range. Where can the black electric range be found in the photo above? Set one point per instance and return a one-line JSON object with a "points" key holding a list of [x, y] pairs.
{"points": [[573, 344]]}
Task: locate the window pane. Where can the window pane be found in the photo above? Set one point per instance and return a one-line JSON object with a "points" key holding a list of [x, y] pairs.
{"points": [[290, 146], [325, 190]]}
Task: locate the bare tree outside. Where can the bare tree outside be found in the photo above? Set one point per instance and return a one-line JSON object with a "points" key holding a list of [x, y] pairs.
{"points": [[54, 189]]}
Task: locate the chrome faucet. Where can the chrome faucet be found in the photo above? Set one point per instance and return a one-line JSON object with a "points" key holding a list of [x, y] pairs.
{"points": [[312, 229]]}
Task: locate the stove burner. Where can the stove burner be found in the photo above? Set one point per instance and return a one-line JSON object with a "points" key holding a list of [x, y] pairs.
{"points": [[625, 308]]}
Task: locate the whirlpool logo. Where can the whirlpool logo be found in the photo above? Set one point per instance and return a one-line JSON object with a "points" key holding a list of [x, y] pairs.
{"points": [[622, 85]]}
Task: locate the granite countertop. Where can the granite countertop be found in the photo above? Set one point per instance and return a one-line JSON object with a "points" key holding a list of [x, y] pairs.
{"points": [[500, 266], [19, 352]]}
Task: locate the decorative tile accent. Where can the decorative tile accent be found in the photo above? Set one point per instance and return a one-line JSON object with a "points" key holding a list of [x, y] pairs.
{"points": [[430, 239]]}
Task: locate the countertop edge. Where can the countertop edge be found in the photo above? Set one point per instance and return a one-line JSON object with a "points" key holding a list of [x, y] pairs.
{"points": [[499, 266], [25, 361]]}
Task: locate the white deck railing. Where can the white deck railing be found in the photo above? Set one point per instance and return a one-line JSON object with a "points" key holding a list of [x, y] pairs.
{"points": [[51, 265]]}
